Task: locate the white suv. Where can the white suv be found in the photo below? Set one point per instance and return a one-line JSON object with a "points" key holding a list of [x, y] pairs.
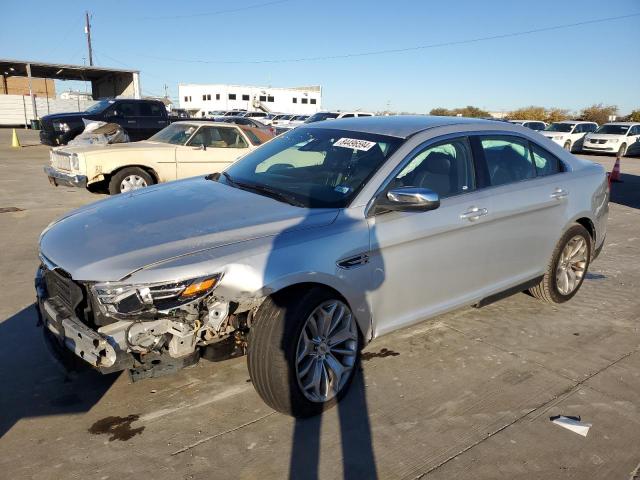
{"points": [[532, 124], [569, 134], [618, 137]]}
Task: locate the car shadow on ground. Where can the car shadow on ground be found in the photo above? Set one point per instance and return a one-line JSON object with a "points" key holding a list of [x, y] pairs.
{"points": [[626, 192], [32, 383]]}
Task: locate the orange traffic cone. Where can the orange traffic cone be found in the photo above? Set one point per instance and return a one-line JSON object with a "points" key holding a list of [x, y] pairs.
{"points": [[615, 173]]}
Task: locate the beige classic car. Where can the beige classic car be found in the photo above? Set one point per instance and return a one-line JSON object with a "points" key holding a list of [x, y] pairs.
{"points": [[183, 149]]}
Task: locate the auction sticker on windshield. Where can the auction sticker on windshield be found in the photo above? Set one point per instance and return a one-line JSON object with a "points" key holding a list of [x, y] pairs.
{"points": [[354, 143]]}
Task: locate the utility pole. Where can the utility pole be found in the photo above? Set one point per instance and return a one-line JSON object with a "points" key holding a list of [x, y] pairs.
{"points": [[166, 93], [87, 30]]}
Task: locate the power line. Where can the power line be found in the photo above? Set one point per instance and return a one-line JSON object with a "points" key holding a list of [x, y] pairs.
{"points": [[218, 12], [395, 50]]}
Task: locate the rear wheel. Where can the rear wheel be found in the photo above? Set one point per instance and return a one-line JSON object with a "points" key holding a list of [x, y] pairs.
{"points": [[567, 268], [303, 351], [129, 179]]}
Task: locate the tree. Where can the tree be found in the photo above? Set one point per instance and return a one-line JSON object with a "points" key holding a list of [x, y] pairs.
{"points": [[529, 113], [634, 116], [598, 113], [557, 115], [471, 111], [441, 111]]}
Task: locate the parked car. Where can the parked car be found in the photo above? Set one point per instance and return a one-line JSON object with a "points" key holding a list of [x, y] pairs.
{"points": [[319, 116], [294, 122], [183, 149], [179, 114], [257, 115], [215, 113], [269, 118], [569, 134], [621, 138], [139, 118], [532, 124], [317, 242], [249, 122], [282, 119]]}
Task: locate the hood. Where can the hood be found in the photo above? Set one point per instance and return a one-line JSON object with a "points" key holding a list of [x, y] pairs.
{"points": [[145, 144], [554, 134], [110, 239], [66, 116]]}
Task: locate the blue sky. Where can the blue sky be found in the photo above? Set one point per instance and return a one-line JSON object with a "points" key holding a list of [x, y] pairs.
{"points": [[568, 68]]}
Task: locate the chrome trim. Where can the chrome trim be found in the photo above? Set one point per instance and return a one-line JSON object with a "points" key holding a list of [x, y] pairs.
{"points": [[353, 262], [60, 178]]}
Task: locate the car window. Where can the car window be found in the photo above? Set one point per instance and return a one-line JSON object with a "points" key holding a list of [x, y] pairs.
{"points": [[445, 168], [508, 159], [218, 137], [127, 109], [364, 115], [538, 126], [175, 134], [348, 115], [578, 129], [546, 163], [592, 127], [635, 130]]}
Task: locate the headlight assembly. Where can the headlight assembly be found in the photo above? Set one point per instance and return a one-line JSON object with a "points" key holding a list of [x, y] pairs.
{"points": [[61, 127], [75, 162], [129, 299], [613, 140]]}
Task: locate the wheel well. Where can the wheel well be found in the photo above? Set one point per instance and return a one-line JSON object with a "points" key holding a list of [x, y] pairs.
{"points": [[297, 288], [147, 169], [588, 224]]}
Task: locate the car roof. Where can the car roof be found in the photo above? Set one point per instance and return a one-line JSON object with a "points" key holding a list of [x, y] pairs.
{"points": [[626, 124], [203, 122], [401, 126], [516, 121], [574, 122]]}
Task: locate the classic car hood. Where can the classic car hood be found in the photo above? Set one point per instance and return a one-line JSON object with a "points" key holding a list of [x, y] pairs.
{"points": [[115, 147], [112, 238]]}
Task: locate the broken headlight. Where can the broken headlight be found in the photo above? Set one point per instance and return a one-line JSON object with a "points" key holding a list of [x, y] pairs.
{"points": [[128, 299]]}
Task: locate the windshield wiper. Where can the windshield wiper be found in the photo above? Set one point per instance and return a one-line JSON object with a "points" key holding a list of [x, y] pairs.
{"points": [[257, 188], [270, 192]]}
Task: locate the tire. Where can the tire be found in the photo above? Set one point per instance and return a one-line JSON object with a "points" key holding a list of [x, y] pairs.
{"points": [[551, 288], [132, 175], [276, 340], [623, 150], [567, 146]]}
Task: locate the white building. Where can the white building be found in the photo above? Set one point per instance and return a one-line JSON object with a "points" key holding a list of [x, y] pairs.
{"points": [[199, 99], [72, 95]]}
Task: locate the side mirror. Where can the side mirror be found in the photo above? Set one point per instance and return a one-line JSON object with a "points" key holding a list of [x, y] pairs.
{"points": [[408, 199], [200, 147]]}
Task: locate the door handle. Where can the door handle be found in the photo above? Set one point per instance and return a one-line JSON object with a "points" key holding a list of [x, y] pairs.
{"points": [[474, 213], [131, 121], [559, 194]]}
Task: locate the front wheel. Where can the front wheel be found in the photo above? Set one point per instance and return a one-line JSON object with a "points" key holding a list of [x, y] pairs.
{"points": [[303, 351], [567, 268], [129, 179]]}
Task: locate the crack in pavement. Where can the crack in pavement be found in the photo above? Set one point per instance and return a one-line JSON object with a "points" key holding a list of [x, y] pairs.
{"points": [[544, 406], [211, 437]]}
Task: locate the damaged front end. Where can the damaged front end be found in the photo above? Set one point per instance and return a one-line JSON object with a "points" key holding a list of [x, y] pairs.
{"points": [[147, 329]]}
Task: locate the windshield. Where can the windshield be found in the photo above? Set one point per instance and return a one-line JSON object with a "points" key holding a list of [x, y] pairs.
{"points": [[100, 106], [316, 168], [613, 129], [175, 134], [560, 127], [317, 117]]}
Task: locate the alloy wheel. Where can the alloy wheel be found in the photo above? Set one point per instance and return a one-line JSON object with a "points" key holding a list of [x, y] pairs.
{"points": [[572, 265], [326, 351]]}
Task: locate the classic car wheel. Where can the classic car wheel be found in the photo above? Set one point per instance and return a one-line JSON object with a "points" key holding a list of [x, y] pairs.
{"points": [[303, 351], [129, 179], [568, 267]]}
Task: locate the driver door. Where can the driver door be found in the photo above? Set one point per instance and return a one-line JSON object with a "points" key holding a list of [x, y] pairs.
{"points": [[425, 263], [211, 149]]}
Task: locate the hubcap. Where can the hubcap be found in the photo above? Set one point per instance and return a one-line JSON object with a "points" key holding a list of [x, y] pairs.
{"points": [[326, 351], [132, 182], [572, 265]]}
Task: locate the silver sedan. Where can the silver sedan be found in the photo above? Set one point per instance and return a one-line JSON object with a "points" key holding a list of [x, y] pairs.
{"points": [[314, 244]]}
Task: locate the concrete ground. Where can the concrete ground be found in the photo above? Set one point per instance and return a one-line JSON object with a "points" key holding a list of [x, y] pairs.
{"points": [[465, 395]]}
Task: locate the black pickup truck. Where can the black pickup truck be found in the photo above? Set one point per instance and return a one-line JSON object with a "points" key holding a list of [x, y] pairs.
{"points": [[139, 118]]}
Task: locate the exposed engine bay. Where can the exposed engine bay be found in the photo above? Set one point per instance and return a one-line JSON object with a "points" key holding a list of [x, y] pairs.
{"points": [[149, 330]]}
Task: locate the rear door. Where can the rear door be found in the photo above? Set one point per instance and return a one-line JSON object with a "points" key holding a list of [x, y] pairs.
{"points": [[527, 207], [211, 149], [127, 115], [152, 118]]}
